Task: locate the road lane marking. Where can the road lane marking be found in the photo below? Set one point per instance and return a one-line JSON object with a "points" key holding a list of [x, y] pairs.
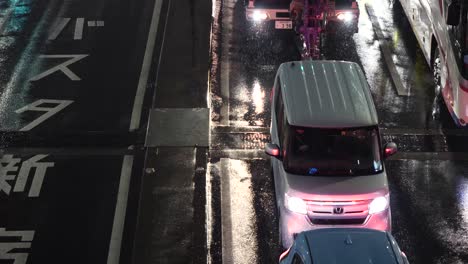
{"points": [[79, 28], [383, 130], [450, 156], [63, 67], [145, 68], [386, 51], [226, 222], [208, 214], [423, 132], [50, 111], [120, 211], [242, 154], [225, 65], [239, 242]]}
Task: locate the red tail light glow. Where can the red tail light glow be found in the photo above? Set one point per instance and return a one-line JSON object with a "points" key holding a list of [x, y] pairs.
{"points": [[275, 152]]}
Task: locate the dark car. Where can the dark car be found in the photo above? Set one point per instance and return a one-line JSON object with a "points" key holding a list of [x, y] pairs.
{"points": [[344, 245]]}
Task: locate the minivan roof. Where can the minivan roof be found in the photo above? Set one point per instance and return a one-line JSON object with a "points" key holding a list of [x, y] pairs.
{"points": [[326, 94]]}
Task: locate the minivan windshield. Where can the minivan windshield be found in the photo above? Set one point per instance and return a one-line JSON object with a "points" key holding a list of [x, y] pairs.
{"points": [[333, 152]]}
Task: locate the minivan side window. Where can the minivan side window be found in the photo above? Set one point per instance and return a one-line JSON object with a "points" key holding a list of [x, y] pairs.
{"points": [[279, 111]]}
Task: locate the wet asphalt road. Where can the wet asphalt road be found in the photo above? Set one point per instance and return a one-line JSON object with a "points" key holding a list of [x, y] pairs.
{"points": [[71, 150], [428, 177], [85, 54]]}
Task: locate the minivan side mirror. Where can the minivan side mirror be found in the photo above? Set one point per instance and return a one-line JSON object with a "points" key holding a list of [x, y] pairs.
{"points": [[453, 14], [272, 150], [390, 149]]}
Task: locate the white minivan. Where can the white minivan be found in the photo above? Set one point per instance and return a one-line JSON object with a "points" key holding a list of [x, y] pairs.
{"points": [[326, 153]]}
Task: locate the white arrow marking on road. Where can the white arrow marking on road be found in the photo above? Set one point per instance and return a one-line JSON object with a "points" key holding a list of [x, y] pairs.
{"points": [[61, 67], [50, 111]]}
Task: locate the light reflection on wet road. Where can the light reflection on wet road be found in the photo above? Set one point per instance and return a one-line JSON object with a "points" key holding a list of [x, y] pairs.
{"points": [[429, 194]]}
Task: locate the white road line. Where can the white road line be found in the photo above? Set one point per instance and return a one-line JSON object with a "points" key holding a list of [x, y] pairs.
{"points": [[239, 242], [120, 210], [208, 214], [79, 28], [140, 93], [225, 64], [385, 131], [226, 223], [423, 156], [423, 132], [386, 51]]}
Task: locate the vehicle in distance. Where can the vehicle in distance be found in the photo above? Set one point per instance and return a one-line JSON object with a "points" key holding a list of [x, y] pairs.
{"points": [[344, 246], [326, 153], [278, 11]]}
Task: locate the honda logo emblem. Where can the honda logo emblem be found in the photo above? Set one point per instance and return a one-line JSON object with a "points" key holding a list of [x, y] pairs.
{"points": [[338, 210]]}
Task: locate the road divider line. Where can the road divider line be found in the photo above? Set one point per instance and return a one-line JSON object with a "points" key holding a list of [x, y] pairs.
{"points": [[120, 211], [386, 51], [79, 28], [385, 131], [225, 64], [145, 68], [226, 222], [208, 214], [239, 242]]}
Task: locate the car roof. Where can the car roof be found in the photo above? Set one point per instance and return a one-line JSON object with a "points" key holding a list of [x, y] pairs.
{"points": [[350, 245], [326, 94]]}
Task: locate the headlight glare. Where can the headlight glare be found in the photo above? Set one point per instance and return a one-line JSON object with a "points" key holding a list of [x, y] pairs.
{"points": [[296, 205], [378, 205], [258, 15]]}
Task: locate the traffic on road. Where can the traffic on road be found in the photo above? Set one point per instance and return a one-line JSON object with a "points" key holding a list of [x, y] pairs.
{"points": [[269, 96], [233, 131]]}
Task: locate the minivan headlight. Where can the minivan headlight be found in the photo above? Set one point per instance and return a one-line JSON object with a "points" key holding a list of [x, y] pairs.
{"points": [[296, 205], [378, 205]]}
